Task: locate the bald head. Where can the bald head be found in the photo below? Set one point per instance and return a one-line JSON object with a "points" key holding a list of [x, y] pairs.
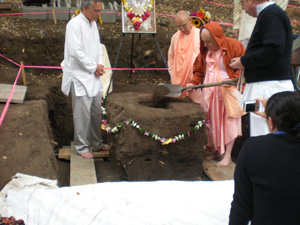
{"points": [[182, 15], [183, 22], [209, 41]]}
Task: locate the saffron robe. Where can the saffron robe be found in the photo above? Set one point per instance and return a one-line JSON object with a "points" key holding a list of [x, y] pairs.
{"points": [[221, 130], [181, 57]]}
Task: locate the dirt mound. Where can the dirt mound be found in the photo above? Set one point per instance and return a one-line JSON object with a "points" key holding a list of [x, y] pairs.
{"points": [[25, 142], [137, 148]]}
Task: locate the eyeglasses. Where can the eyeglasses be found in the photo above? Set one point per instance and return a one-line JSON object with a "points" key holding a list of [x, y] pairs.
{"points": [[96, 10], [182, 26]]}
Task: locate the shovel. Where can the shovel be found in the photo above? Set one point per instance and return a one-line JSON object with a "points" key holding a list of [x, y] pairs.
{"points": [[176, 90]]}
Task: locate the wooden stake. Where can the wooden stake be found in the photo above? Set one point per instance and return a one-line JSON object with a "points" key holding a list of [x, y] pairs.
{"points": [[54, 17], [23, 73], [64, 153]]}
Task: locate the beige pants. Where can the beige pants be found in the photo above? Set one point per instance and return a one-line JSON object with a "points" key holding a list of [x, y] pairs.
{"points": [[87, 122]]}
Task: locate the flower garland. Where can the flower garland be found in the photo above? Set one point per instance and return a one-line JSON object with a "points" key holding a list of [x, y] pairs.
{"points": [[164, 141], [200, 18], [137, 19]]}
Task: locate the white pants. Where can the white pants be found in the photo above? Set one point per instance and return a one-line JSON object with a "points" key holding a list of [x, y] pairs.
{"points": [[87, 122], [264, 89]]}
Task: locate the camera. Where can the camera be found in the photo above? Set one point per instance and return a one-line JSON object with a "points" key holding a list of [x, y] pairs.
{"points": [[251, 106]]}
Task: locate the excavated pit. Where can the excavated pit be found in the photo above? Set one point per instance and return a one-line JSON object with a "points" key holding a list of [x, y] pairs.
{"points": [[143, 158]]}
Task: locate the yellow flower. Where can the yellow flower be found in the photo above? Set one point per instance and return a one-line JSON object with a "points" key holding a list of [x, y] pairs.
{"points": [[77, 11], [168, 141], [103, 126], [196, 22], [201, 10], [127, 9], [206, 18]]}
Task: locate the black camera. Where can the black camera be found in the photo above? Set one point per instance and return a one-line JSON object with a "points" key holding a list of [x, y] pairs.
{"points": [[251, 106]]}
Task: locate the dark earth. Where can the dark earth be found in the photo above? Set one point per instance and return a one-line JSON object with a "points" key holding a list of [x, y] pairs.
{"points": [[32, 133]]}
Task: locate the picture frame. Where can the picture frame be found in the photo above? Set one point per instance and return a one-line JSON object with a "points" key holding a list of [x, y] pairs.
{"points": [[148, 26]]}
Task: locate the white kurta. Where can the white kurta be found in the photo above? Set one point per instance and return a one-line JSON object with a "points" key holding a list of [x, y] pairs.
{"points": [[82, 54]]}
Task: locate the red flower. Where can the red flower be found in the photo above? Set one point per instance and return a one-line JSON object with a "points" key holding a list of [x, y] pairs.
{"points": [[137, 25], [144, 17], [200, 15], [130, 15], [147, 13]]}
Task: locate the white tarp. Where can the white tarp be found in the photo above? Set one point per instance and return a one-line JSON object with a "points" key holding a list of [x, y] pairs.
{"points": [[123, 203]]}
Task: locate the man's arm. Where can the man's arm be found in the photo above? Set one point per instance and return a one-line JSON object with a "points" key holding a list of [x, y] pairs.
{"points": [[100, 66], [171, 55], [235, 62], [198, 70], [237, 16]]}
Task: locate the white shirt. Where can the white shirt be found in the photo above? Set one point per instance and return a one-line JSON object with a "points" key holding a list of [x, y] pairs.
{"points": [[82, 54], [262, 6]]}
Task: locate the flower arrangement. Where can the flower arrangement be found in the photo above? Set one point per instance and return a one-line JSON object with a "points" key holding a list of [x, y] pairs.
{"points": [[200, 18], [164, 141], [137, 19]]}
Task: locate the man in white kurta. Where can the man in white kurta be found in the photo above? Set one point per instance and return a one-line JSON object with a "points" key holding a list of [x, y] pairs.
{"points": [[81, 76]]}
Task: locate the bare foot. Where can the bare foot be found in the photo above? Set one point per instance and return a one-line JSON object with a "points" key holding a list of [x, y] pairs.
{"points": [[212, 156], [87, 155], [224, 162]]}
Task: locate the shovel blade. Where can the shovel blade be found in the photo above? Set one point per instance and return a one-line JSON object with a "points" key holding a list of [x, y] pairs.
{"points": [[174, 90]]}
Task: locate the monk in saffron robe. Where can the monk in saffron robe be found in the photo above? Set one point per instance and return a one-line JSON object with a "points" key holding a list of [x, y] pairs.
{"points": [[184, 48], [212, 65]]}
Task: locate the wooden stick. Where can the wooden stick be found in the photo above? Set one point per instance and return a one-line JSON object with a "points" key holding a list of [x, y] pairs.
{"points": [[64, 153], [54, 17], [23, 73]]}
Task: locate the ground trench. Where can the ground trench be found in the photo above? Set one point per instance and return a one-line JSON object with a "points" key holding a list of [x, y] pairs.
{"points": [[49, 51]]}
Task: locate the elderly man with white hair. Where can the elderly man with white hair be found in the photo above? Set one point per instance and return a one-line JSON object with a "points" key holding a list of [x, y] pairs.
{"points": [[83, 67]]}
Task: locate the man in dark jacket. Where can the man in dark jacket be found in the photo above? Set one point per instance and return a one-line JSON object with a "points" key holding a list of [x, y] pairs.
{"points": [[266, 62]]}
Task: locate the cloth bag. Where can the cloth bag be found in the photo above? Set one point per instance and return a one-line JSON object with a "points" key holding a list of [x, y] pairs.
{"points": [[231, 98]]}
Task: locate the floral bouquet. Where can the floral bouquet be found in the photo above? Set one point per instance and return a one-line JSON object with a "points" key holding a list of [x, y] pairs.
{"points": [[135, 18], [200, 18]]}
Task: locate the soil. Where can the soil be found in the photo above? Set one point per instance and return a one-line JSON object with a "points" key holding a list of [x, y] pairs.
{"points": [[144, 158], [32, 132]]}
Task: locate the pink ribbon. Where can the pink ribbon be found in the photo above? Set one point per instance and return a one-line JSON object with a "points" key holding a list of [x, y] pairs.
{"points": [[9, 60], [44, 67], [161, 14], [228, 6], [293, 6], [295, 21]]}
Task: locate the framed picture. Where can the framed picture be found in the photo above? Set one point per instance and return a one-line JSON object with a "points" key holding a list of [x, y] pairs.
{"points": [[138, 16]]}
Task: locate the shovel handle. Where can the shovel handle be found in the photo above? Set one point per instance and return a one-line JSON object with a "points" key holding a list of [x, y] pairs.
{"points": [[211, 84]]}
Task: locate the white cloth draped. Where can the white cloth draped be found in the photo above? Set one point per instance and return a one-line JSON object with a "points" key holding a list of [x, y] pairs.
{"points": [[132, 203]]}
